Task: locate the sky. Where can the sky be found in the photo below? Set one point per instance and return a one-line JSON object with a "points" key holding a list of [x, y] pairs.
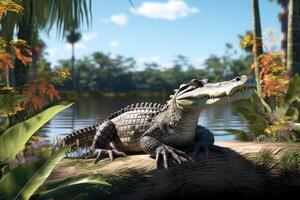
{"points": [[158, 30]]}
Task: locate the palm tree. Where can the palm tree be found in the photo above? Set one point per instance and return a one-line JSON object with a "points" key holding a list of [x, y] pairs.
{"points": [[293, 60], [257, 43], [283, 17], [72, 38], [43, 15]]}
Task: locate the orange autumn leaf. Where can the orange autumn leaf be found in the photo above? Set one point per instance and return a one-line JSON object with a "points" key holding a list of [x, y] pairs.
{"points": [[6, 59], [38, 93], [273, 75], [24, 59]]}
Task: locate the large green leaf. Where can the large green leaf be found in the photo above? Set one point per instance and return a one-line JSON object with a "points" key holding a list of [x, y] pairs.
{"points": [[14, 138], [256, 121], [23, 181], [84, 180], [12, 182], [293, 88], [289, 108], [3, 125]]}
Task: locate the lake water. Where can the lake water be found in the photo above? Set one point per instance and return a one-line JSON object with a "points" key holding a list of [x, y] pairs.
{"points": [[88, 111]]}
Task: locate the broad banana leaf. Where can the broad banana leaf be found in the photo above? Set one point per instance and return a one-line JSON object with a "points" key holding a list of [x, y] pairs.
{"points": [[84, 179], [3, 125], [256, 121], [290, 108], [23, 181], [14, 138], [293, 88]]}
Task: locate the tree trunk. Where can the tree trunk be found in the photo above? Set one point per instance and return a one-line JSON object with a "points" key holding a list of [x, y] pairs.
{"points": [[257, 44], [293, 57], [25, 33], [34, 63], [283, 18], [7, 75], [73, 66]]}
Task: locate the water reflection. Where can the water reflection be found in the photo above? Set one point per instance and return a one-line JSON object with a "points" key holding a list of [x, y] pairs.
{"points": [[86, 112]]}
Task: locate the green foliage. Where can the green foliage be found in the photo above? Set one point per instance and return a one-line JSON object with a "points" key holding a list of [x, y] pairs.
{"points": [[9, 101], [290, 161], [267, 124], [105, 73], [264, 158], [14, 138], [255, 115], [246, 41], [3, 125], [85, 179], [24, 180]]}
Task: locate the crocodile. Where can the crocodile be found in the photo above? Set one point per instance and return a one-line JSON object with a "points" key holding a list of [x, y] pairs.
{"points": [[162, 131]]}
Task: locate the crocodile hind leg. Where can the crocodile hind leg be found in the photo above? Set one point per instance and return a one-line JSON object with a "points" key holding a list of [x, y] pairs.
{"points": [[204, 141], [161, 151], [106, 134]]}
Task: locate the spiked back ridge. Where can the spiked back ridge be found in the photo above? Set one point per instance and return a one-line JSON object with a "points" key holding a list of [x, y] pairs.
{"points": [[156, 107], [85, 136]]}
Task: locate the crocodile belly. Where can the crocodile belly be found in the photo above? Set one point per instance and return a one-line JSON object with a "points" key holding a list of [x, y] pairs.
{"points": [[130, 126]]}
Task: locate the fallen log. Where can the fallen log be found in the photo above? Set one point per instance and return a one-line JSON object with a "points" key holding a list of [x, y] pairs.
{"points": [[235, 170]]}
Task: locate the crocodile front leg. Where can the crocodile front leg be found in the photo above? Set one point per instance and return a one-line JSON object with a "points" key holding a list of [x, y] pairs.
{"points": [[105, 135], [160, 151], [204, 141]]}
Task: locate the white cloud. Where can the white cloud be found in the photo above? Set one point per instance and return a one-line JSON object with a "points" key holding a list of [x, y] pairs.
{"points": [[119, 19], [78, 46], [170, 10], [52, 51], [89, 36], [148, 59], [114, 44]]}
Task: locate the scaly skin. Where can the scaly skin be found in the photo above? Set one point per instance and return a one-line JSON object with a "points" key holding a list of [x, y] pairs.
{"points": [[161, 130]]}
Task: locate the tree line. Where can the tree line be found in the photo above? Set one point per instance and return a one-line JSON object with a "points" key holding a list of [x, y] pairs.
{"points": [[106, 73]]}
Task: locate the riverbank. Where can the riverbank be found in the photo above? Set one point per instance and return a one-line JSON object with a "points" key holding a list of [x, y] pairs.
{"points": [[241, 168]]}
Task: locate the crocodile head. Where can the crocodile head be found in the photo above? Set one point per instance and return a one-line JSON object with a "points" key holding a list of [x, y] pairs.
{"points": [[200, 93]]}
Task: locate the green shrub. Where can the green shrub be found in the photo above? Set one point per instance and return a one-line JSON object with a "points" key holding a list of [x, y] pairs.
{"points": [[264, 158], [290, 161]]}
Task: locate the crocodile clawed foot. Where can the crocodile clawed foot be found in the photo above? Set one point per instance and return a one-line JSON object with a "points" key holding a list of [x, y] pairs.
{"points": [[164, 152], [206, 147], [106, 153]]}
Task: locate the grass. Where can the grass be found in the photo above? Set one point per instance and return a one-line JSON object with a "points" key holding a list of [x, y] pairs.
{"points": [[264, 158], [290, 161]]}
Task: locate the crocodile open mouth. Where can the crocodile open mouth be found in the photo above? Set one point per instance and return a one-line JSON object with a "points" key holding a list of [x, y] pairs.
{"points": [[241, 91]]}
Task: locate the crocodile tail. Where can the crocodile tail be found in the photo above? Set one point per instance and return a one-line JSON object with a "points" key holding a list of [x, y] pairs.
{"points": [[82, 137]]}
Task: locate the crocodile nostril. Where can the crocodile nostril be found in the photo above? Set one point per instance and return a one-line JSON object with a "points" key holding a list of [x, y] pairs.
{"points": [[238, 79]]}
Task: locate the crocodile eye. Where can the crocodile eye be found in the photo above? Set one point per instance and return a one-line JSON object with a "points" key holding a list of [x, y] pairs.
{"points": [[196, 83], [238, 79]]}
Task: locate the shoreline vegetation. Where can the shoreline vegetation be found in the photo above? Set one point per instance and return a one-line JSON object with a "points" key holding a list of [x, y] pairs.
{"points": [[73, 94]]}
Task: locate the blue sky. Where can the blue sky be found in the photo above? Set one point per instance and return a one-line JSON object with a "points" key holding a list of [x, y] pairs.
{"points": [[158, 30]]}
